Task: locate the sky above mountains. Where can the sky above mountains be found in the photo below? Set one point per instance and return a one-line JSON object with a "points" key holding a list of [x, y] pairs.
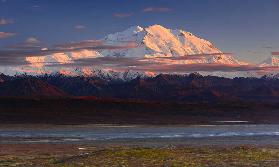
{"points": [[247, 28]]}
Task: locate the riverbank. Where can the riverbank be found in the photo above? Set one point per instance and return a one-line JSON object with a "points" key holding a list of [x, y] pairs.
{"points": [[52, 155], [139, 145]]}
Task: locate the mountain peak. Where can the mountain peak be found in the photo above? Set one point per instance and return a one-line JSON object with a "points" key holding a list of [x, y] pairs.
{"points": [[157, 27], [271, 61], [152, 41], [29, 87], [135, 29]]}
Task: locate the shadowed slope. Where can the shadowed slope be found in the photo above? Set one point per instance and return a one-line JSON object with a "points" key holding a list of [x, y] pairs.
{"points": [[29, 87]]}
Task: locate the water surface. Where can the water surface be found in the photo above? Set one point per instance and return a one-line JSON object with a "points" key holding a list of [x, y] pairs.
{"points": [[93, 133]]}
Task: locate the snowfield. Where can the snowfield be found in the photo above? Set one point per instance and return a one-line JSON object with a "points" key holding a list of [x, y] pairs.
{"points": [[152, 45]]}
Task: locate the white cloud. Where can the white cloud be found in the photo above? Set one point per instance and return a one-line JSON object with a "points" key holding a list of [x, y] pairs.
{"points": [[122, 15], [80, 27], [156, 9], [5, 21], [32, 40], [6, 35]]}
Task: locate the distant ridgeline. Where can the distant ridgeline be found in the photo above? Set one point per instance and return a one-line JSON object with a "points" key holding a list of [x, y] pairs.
{"points": [[171, 88]]}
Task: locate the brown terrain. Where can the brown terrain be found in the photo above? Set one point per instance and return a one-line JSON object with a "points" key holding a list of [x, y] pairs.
{"points": [[85, 110], [164, 99]]}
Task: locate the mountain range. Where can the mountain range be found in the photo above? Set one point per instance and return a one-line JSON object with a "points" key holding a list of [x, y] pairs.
{"points": [[172, 88], [153, 45]]}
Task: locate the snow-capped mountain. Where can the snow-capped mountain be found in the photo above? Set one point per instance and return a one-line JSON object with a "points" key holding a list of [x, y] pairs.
{"points": [[158, 41], [271, 61], [154, 44]]}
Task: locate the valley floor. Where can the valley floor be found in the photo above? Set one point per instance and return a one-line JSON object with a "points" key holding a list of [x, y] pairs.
{"points": [[36, 113], [58, 155], [87, 110]]}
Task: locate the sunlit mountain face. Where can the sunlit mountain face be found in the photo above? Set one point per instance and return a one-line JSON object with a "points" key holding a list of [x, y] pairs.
{"points": [[171, 38], [150, 49]]}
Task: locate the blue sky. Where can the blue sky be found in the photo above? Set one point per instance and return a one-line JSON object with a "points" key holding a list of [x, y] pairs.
{"points": [[248, 28]]}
